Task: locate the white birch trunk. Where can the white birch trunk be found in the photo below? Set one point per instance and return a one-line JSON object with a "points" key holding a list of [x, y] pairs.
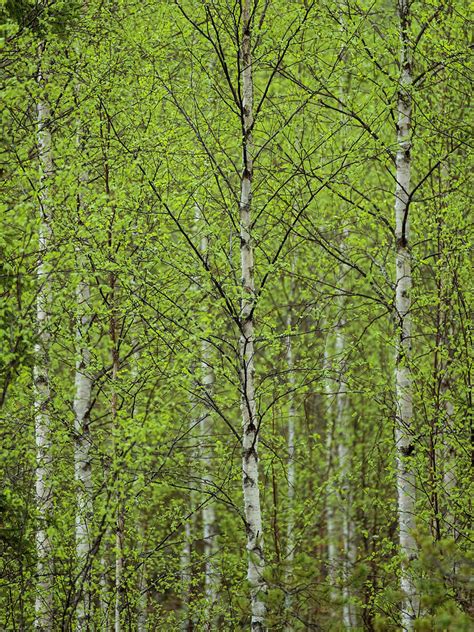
{"points": [[82, 457], [403, 377], [331, 523], [291, 469], [208, 511], [120, 511], [142, 606], [142, 586], [250, 423], [81, 407], [349, 616], [185, 561], [44, 587], [189, 528]]}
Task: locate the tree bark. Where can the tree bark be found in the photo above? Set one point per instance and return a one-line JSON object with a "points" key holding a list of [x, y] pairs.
{"points": [[186, 572], [42, 388], [349, 615], [291, 469], [120, 502], [331, 525], [81, 406], [403, 377], [82, 456], [250, 423], [208, 512]]}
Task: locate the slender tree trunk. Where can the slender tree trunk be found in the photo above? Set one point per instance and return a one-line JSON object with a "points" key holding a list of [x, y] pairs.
{"points": [[142, 584], [208, 512], [331, 524], [120, 506], [44, 588], [349, 616], [81, 406], [186, 575], [291, 470], [186, 561], [445, 331], [82, 456], [403, 376], [250, 423]]}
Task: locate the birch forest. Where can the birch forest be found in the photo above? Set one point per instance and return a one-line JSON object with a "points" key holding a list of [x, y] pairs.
{"points": [[236, 283]]}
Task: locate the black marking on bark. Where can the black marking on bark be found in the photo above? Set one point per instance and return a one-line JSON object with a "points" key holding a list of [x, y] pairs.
{"points": [[248, 482], [249, 453], [407, 450]]}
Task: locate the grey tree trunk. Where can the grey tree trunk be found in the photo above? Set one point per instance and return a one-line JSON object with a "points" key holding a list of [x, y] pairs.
{"points": [[120, 501], [45, 571], [403, 377], [82, 456], [82, 406], [349, 615], [250, 422], [142, 614], [186, 576], [291, 468], [208, 511], [331, 499]]}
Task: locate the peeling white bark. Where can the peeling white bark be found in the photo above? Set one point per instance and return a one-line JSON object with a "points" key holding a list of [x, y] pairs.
{"points": [[250, 422], [44, 587], [403, 378]]}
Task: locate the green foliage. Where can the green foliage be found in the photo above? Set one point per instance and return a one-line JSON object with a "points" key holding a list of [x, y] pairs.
{"points": [[145, 119]]}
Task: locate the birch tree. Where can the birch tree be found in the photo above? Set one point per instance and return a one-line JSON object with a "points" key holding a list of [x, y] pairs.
{"points": [[44, 593], [250, 421], [82, 407], [406, 485]]}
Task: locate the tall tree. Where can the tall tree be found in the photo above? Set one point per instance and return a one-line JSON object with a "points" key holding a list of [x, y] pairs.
{"points": [[250, 420], [44, 592], [404, 430]]}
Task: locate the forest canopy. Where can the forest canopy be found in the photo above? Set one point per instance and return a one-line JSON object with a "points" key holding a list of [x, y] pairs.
{"points": [[236, 355]]}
